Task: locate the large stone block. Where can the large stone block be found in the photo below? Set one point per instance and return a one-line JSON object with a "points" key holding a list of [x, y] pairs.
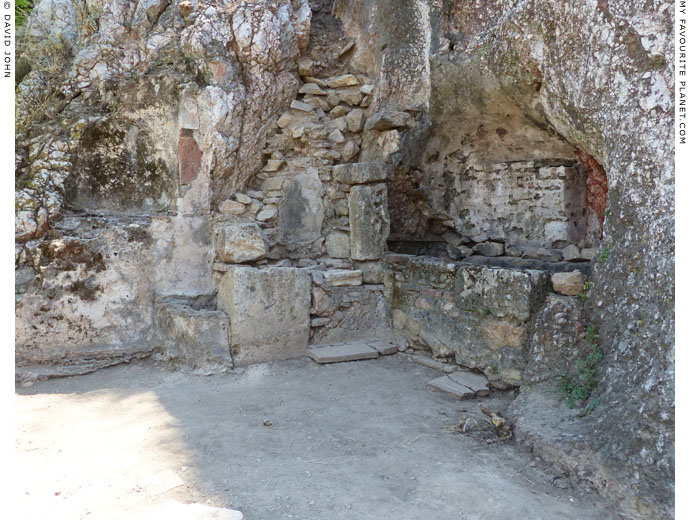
{"points": [[369, 223], [238, 243], [196, 337], [301, 210], [362, 173], [269, 312]]}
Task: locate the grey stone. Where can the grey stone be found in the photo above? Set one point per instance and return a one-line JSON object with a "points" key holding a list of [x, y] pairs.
{"points": [[478, 383], [321, 83], [231, 207], [273, 165], [343, 352], [338, 111], [302, 107], [489, 249], [384, 348], [339, 277], [320, 322], [571, 253], [301, 211], [266, 214], [355, 120], [589, 253], [372, 272], [338, 244], [242, 198], [367, 90], [362, 173], [312, 89], [512, 250], [305, 66], [569, 284], [369, 223], [433, 363], [239, 243], [540, 253], [197, 338], [336, 136], [447, 385], [269, 312], [346, 80], [388, 120], [456, 253]]}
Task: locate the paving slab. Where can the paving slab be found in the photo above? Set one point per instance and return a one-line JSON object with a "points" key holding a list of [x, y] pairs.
{"points": [[174, 510], [446, 384], [342, 352], [475, 382], [384, 348], [432, 363]]}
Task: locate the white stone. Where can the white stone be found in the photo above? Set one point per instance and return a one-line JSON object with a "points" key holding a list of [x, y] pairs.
{"points": [[238, 243], [341, 277]]}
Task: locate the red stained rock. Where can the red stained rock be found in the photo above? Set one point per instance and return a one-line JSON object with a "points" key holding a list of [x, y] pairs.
{"points": [[190, 158]]}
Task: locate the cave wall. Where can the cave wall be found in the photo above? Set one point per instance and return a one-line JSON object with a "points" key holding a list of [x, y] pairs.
{"points": [[562, 79]]}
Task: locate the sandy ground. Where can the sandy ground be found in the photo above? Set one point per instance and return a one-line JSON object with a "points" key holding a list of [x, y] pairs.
{"points": [[358, 440]]}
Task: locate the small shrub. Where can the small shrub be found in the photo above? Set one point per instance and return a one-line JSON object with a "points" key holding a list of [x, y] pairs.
{"points": [[591, 333], [22, 8], [604, 255], [583, 293], [578, 387]]}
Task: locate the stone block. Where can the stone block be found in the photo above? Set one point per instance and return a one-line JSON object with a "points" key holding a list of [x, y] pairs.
{"points": [[301, 211], [569, 284], [305, 66], [478, 383], [355, 120], [571, 253], [369, 223], [447, 385], [388, 120], [384, 348], [372, 272], [346, 80], [362, 173], [268, 310], [230, 207], [344, 352], [338, 244], [188, 115], [311, 89], [340, 277], [238, 243], [489, 249], [198, 338], [540, 253], [302, 107]]}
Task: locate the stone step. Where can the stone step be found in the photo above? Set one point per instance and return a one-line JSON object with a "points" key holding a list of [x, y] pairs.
{"points": [[342, 352], [462, 384], [432, 363]]}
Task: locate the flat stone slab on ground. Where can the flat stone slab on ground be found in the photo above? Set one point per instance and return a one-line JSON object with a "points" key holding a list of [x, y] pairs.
{"points": [[446, 384], [432, 363], [344, 352], [476, 382], [384, 348], [161, 482]]}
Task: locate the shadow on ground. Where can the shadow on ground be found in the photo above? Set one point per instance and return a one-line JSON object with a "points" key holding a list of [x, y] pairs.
{"points": [[352, 440]]}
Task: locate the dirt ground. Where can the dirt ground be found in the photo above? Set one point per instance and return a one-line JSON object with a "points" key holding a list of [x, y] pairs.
{"points": [[357, 440]]}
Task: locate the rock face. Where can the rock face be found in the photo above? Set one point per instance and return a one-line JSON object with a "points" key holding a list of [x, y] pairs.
{"points": [[268, 310], [511, 71]]}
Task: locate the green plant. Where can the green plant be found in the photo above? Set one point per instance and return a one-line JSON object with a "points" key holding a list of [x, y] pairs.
{"points": [[583, 293], [22, 8], [604, 255], [578, 387], [591, 333], [486, 311]]}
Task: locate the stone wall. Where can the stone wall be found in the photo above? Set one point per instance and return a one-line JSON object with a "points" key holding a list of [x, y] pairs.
{"points": [[479, 317]]}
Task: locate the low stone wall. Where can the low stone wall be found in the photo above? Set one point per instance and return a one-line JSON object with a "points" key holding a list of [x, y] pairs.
{"points": [[478, 316]]}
